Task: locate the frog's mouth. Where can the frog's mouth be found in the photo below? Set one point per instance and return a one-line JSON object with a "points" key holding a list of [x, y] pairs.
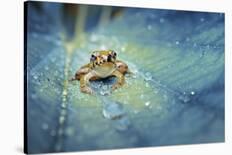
{"points": [[105, 69]]}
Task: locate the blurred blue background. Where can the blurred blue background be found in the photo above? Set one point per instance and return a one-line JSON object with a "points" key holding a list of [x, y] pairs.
{"points": [[175, 96]]}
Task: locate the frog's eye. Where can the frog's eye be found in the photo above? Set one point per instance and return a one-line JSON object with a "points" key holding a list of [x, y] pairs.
{"points": [[109, 57], [93, 58], [114, 54]]}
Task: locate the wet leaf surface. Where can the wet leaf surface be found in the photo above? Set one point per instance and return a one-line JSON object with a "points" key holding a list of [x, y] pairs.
{"points": [[175, 96]]}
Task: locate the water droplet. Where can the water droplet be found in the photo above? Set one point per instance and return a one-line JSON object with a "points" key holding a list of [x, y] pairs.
{"points": [[61, 119], [187, 39], [146, 85], [63, 105], [148, 76], [33, 96], [35, 77], [156, 91], [161, 20], [65, 93], [63, 112], [165, 97], [105, 92], [53, 59], [123, 49], [149, 27], [141, 96], [122, 124], [44, 126], [35, 35], [185, 98], [70, 131], [46, 68], [113, 110], [93, 38], [60, 131], [202, 19], [134, 76], [159, 107], [104, 87], [192, 93], [147, 103], [103, 47], [136, 112]]}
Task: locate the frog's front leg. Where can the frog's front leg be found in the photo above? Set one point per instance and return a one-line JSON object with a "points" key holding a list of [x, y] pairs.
{"points": [[84, 82], [122, 67], [120, 79]]}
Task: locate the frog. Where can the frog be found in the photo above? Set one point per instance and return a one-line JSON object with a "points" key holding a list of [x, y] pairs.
{"points": [[102, 64]]}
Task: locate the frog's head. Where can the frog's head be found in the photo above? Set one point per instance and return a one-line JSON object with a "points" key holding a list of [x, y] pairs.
{"points": [[102, 57]]}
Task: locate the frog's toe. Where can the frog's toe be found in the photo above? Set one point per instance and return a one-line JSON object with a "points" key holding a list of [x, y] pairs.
{"points": [[87, 90], [116, 86]]}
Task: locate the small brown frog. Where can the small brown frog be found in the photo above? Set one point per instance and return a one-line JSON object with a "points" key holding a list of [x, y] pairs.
{"points": [[103, 64]]}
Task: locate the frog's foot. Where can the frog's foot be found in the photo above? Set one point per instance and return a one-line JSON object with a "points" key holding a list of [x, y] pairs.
{"points": [[87, 90], [120, 79], [116, 86], [122, 67]]}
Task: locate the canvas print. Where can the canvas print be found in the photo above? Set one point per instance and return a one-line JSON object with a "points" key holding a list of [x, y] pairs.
{"points": [[110, 77]]}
